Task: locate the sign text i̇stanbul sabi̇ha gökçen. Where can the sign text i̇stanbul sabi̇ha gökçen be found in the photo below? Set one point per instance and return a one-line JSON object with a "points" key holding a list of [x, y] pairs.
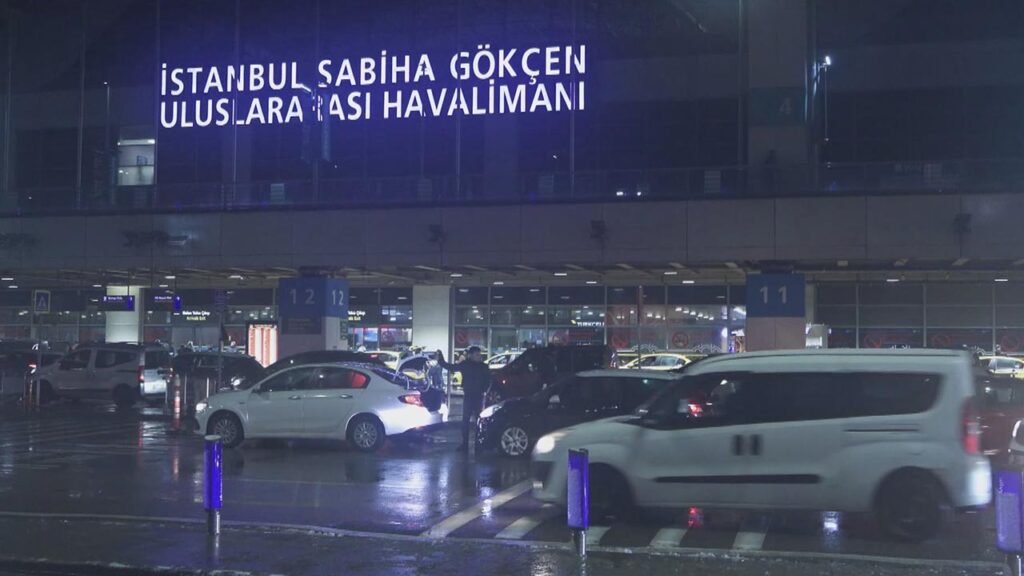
{"points": [[483, 82]]}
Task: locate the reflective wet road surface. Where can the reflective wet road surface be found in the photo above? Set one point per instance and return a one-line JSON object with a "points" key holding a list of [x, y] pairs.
{"points": [[92, 460]]}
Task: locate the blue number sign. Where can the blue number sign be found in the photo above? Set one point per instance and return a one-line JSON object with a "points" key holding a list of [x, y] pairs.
{"points": [[312, 297], [775, 296]]}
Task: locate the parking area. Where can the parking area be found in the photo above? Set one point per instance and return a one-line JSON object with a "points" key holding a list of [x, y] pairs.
{"points": [[92, 461]]}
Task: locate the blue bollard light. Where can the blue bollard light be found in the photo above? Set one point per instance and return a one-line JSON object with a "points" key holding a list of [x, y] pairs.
{"points": [[214, 497], [578, 498]]}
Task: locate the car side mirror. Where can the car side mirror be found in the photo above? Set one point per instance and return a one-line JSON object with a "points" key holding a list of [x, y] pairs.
{"points": [[554, 401]]}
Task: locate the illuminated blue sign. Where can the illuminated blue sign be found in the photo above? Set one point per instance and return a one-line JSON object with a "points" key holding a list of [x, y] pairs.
{"points": [[485, 81], [117, 304]]}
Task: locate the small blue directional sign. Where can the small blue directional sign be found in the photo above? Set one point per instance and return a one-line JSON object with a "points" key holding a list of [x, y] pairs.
{"points": [[41, 301], [775, 296]]}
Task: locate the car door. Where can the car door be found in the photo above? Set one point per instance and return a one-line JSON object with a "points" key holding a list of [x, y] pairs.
{"points": [[334, 395], [687, 452], [115, 367], [275, 406], [73, 372]]}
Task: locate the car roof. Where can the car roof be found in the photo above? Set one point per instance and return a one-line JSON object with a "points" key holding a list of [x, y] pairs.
{"points": [[713, 363], [631, 373]]}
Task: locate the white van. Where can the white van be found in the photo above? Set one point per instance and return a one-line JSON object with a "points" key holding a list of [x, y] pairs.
{"points": [[124, 373], [890, 431]]}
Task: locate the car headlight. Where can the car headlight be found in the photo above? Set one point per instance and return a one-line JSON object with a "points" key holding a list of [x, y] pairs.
{"points": [[489, 411], [546, 443], [202, 406]]}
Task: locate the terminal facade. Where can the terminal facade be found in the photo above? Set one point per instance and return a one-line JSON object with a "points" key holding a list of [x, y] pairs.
{"points": [[575, 172]]}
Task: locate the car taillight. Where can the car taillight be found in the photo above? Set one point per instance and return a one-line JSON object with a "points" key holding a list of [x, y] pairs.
{"points": [[970, 428], [31, 368], [413, 399], [142, 375]]}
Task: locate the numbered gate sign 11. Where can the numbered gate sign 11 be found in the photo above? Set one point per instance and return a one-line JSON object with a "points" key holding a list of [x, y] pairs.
{"points": [[775, 296]]}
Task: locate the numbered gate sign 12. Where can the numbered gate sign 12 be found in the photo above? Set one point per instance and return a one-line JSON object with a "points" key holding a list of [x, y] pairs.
{"points": [[775, 296], [312, 297]]}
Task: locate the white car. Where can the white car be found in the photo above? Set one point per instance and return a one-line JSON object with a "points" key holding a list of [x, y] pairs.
{"points": [[124, 373], [892, 431], [362, 403]]}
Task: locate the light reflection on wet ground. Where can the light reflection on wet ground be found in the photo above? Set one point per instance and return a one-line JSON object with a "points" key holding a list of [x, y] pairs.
{"points": [[95, 460]]}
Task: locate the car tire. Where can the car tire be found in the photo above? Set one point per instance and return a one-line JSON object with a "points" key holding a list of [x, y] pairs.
{"points": [[366, 433], [125, 396], [514, 442], [228, 427], [610, 494], [912, 506]]}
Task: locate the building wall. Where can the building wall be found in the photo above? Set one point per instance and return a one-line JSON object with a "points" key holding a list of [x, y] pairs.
{"points": [[706, 231]]}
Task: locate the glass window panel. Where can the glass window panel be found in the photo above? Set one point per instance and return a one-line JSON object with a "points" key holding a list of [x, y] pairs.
{"points": [[959, 315], [653, 339], [890, 294], [531, 337], [503, 340], [680, 314], [652, 315], [708, 339], [621, 315], [842, 338], [891, 316], [470, 296], [576, 295], [559, 315], [622, 295], [1010, 341], [567, 336], [953, 293], [1009, 315], [622, 338], [533, 316], [396, 314], [959, 338], [837, 315], [393, 338], [1009, 293], [501, 295], [466, 337], [470, 315], [505, 315], [699, 295], [654, 295], [891, 338], [396, 296], [836, 294], [588, 316]]}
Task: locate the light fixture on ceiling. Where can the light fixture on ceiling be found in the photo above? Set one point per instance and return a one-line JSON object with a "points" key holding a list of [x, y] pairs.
{"points": [[561, 274], [688, 281]]}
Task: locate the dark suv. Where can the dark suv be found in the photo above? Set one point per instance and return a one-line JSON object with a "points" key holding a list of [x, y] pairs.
{"points": [[537, 368], [196, 373]]}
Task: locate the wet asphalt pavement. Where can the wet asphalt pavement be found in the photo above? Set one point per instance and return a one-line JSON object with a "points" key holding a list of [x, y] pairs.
{"points": [[89, 484]]}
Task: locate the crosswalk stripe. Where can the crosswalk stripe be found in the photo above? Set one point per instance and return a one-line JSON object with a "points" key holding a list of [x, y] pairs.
{"points": [[668, 537], [521, 527], [460, 519], [749, 540], [595, 533]]}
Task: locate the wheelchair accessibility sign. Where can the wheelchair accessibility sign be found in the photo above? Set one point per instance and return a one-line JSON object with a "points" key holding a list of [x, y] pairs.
{"points": [[41, 301]]}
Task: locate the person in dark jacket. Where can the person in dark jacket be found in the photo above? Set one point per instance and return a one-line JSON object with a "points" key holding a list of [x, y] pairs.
{"points": [[476, 379]]}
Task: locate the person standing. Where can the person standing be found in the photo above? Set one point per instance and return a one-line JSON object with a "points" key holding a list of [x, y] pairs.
{"points": [[476, 379]]}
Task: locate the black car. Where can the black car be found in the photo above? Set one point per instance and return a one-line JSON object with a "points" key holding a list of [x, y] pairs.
{"points": [[513, 426], [197, 374]]}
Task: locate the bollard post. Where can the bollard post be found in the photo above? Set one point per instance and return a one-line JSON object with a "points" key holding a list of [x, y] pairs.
{"points": [[1010, 517], [214, 497], [578, 499]]}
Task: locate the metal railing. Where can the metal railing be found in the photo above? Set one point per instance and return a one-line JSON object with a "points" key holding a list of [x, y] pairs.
{"points": [[965, 176]]}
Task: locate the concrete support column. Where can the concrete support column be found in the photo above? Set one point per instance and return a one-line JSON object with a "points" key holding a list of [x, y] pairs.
{"points": [[777, 64], [125, 326], [312, 315], [431, 317]]}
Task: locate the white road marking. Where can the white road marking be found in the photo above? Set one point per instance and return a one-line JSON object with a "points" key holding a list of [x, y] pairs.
{"points": [[521, 527], [668, 538], [460, 519], [749, 539], [314, 530], [595, 533]]}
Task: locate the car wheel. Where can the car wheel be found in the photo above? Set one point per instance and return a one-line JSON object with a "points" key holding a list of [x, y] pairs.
{"points": [[125, 397], [912, 506], [366, 433], [610, 494], [514, 442], [228, 427]]}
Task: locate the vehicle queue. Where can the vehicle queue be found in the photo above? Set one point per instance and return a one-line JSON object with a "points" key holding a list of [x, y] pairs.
{"points": [[906, 434]]}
